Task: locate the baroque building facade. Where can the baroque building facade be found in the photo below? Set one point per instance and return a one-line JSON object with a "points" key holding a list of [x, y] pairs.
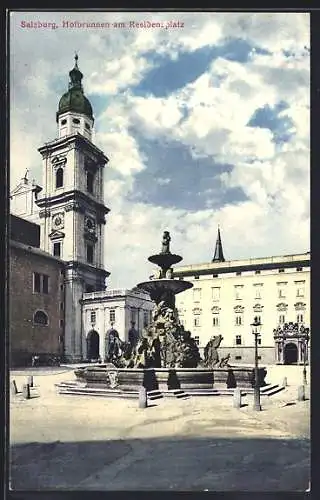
{"points": [[228, 295]]}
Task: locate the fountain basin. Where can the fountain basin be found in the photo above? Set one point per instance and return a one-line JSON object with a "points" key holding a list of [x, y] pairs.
{"points": [[132, 379]]}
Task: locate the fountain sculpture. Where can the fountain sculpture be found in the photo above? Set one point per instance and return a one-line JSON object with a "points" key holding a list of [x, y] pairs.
{"points": [[166, 356]]}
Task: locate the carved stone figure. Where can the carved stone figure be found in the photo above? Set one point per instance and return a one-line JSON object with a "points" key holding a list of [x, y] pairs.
{"points": [[211, 357], [166, 242], [224, 362]]}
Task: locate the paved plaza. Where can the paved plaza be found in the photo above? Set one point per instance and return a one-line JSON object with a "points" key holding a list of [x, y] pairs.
{"points": [[198, 443]]}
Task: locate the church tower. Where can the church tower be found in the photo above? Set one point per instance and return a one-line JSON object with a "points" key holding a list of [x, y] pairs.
{"points": [[71, 207]]}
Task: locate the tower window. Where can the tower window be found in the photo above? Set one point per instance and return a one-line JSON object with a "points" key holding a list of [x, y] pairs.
{"points": [[87, 126], [63, 122], [90, 254], [40, 318], [59, 178], [90, 182], [57, 249], [93, 316], [76, 121]]}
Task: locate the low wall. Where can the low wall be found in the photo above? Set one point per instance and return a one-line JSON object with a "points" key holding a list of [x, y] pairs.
{"points": [[245, 355]]}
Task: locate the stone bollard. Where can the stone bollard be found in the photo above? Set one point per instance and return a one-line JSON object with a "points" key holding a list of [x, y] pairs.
{"points": [[143, 398], [30, 380], [13, 388], [285, 382], [26, 391], [237, 398], [301, 393]]}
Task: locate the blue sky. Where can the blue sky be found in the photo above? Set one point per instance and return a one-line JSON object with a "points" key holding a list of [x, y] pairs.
{"points": [[204, 125]]}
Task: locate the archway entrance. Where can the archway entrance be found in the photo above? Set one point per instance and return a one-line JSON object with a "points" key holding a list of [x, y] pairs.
{"points": [[93, 345], [290, 354]]}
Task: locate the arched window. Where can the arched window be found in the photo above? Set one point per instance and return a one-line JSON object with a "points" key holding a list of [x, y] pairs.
{"points": [[59, 178], [40, 318]]}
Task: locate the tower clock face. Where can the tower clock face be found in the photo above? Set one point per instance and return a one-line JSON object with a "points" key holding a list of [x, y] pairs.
{"points": [[57, 221]]}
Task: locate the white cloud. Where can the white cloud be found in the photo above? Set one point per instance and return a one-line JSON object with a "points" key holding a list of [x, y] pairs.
{"points": [[220, 103]]}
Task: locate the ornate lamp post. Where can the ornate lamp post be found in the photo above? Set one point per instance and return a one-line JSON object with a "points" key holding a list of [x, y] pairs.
{"points": [[305, 332], [256, 329]]}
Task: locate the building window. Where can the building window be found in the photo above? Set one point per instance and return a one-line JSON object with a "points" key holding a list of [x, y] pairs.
{"points": [[282, 319], [300, 288], [259, 357], [238, 320], [92, 316], [90, 254], [215, 275], [145, 318], [238, 340], [299, 318], [62, 287], [112, 316], [258, 318], [57, 249], [257, 289], [61, 323], [281, 270], [238, 273], [90, 178], [36, 283], [40, 283], [257, 272], [259, 341], [76, 121], [238, 292], [299, 269], [215, 321], [63, 122], [196, 294], [61, 306], [197, 340], [45, 284], [196, 277], [40, 318], [87, 126], [238, 357], [59, 178], [281, 290], [196, 321], [215, 293]]}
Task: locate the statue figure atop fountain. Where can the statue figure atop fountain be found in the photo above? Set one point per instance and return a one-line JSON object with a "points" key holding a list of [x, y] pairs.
{"points": [[165, 343], [166, 242]]}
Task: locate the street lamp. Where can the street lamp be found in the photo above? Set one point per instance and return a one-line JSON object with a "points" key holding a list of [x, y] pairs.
{"points": [[256, 329], [305, 353]]}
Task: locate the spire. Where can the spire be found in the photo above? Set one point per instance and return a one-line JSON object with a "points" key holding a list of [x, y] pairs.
{"points": [[218, 252]]}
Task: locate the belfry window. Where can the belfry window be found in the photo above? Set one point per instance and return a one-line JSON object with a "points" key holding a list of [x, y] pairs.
{"points": [[90, 179], [59, 178]]}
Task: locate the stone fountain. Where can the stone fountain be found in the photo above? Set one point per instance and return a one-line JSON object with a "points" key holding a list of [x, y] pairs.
{"points": [[166, 357]]}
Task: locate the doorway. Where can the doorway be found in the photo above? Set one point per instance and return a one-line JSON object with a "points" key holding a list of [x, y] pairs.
{"points": [[93, 342], [290, 354]]}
